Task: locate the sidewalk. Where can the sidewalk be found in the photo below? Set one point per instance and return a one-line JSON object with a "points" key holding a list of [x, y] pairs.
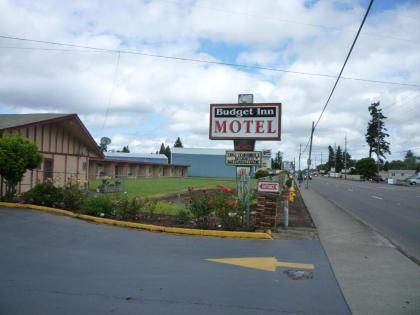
{"points": [[374, 276]]}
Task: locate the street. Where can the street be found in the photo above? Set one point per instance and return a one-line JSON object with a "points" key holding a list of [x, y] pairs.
{"points": [[394, 211], [58, 265]]}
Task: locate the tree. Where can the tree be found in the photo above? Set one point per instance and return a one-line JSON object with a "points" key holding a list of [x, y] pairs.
{"points": [[376, 132], [331, 156], [277, 161], [162, 149], [410, 160], [339, 160], [168, 153], [17, 155], [366, 167], [178, 143], [397, 165], [125, 149]]}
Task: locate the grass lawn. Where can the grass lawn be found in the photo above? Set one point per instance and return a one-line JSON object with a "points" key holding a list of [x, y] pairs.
{"points": [[160, 186]]}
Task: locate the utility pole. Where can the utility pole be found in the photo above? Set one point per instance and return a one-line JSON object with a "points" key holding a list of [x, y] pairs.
{"points": [[377, 147], [321, 157], [345, 157], [300, 153], [335, 160], [294, 165], [309, 159]]}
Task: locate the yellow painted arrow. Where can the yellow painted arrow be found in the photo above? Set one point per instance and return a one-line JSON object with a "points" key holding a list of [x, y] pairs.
{"points": [[262, 263]]}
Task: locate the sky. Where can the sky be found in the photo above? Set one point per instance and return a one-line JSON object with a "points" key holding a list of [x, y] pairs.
{"points": [[142, 101]]}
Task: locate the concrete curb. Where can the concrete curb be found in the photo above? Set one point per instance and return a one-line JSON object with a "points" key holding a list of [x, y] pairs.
{"points": [[141, 226]]}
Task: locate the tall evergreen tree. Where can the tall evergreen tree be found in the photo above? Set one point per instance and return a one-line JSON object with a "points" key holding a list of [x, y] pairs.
{"points": [[178, 143], [168, 153], [125, 149], [331, 156], [339, 160], [162, 149], [376, 132]]}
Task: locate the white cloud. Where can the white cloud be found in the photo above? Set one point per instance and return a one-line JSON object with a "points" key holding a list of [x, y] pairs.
{"points": [[177, 93]]}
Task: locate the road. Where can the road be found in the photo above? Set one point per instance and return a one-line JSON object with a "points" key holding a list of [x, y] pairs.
{"points": [[394, 211], [58, 265]]}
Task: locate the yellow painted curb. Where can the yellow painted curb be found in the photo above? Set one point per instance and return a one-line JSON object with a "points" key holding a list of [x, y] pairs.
{"points": [[142, 226]]}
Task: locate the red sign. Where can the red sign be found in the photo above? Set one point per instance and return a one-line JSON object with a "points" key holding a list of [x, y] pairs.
{"points": [[273, 187], [250, 121]]}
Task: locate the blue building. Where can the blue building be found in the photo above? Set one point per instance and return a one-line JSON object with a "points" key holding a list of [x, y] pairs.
{"points": [[203, 162], [137, 157]]}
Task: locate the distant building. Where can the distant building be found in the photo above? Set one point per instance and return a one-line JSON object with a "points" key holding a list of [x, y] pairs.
{"points": [[203, 162]]}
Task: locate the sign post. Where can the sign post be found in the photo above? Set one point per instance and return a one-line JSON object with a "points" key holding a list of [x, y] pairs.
{"points": [[244, 123]]}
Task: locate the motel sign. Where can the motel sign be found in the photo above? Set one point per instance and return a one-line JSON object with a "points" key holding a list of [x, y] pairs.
{"points": [[245, 121]]}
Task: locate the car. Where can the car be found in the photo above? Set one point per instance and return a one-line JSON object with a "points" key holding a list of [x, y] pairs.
{"points": [[414, 180], [376, 179], [310, 177]]}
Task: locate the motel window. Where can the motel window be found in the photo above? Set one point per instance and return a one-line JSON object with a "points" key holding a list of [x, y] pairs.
{"points": [[48, 169]]}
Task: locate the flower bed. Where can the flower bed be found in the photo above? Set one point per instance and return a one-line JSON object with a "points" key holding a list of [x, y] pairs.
{"points": [[204, 209]]}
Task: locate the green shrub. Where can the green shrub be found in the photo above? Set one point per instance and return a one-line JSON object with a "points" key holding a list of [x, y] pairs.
{"points": [[73, 198], [168, 208], [45, 194], [261, 173], [98, 206], [183, 215], [127, 209]]}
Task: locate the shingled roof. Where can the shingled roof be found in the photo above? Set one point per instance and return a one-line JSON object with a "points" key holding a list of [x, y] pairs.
{"points": [[8, 121]]}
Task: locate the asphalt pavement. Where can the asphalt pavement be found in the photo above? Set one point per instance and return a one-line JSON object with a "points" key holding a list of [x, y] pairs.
{"points": [[58, 265], [392, 210]]}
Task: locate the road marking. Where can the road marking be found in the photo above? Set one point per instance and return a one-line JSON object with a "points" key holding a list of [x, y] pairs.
{"points": [[262, 263], [380, 198]]}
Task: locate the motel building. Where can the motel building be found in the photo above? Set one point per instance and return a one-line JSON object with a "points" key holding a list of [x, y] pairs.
{"points": [[71, 155]]}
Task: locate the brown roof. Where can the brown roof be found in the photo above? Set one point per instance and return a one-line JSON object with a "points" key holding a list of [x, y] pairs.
{"points": [[17, 121]]}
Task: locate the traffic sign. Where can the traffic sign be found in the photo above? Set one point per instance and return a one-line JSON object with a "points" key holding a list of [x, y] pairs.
{"points": [[266, 186], [243, 158]]}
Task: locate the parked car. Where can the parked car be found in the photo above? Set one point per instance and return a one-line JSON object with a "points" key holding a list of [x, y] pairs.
{"points": [[310, 177], [376, 179], [414, 180]]}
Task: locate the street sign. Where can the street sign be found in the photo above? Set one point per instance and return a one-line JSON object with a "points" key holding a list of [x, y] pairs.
{"points": [[272, 187], [243, 158], [245, 121]]}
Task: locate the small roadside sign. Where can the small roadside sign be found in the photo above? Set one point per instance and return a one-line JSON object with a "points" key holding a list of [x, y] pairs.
{"points": [[272, 187], [243, 158]]}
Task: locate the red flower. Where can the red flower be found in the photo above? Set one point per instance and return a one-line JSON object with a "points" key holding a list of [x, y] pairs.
{"points": [[190, 189], [227, 190], [222, 209], [211, 202], [204, 191], [234, 203]]}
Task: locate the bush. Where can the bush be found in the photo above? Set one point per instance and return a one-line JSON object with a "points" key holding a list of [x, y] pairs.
{"points": [[127, 209], [98, 206], [45, 194], [73, 198], [261, 173], [183, 215]]}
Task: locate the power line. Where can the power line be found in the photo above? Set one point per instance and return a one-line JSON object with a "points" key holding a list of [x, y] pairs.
{"points": [[112, 90], [136, 52], [341, 71]]}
